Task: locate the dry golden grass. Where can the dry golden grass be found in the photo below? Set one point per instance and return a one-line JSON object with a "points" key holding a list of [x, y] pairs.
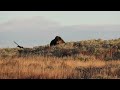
{"points": [[36, 67]]}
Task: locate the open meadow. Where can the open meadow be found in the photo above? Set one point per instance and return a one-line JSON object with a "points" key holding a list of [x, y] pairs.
{"points": [[93, 59]]}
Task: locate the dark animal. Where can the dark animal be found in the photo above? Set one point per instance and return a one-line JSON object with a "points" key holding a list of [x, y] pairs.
{"points": [[18, 45], [58, 40]]}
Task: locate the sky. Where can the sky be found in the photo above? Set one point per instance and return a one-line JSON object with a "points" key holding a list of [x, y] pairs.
{"points": [[67, 17], [34, 28]]}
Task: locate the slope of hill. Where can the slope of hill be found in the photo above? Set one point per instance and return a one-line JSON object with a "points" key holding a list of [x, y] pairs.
{"points": [[85, 49], [86, 59]]}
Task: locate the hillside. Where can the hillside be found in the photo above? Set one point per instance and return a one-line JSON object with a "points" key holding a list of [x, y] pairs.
{"points": [[85, 49], [87, 59]]}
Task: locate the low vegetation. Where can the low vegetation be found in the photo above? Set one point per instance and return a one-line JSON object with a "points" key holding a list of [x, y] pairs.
{"points": [[58, 68], [89, 59]]}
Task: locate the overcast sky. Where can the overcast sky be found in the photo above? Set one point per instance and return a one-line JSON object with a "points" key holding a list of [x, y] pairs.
{"points": [[32, 28], [67, 17]]}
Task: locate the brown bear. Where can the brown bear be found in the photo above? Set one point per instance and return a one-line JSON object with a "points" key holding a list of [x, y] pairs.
{"points": [[58, 40]]}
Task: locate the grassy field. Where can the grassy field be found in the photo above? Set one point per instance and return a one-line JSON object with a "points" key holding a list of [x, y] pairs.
{"points": [[89, 59], [58, 68]]}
